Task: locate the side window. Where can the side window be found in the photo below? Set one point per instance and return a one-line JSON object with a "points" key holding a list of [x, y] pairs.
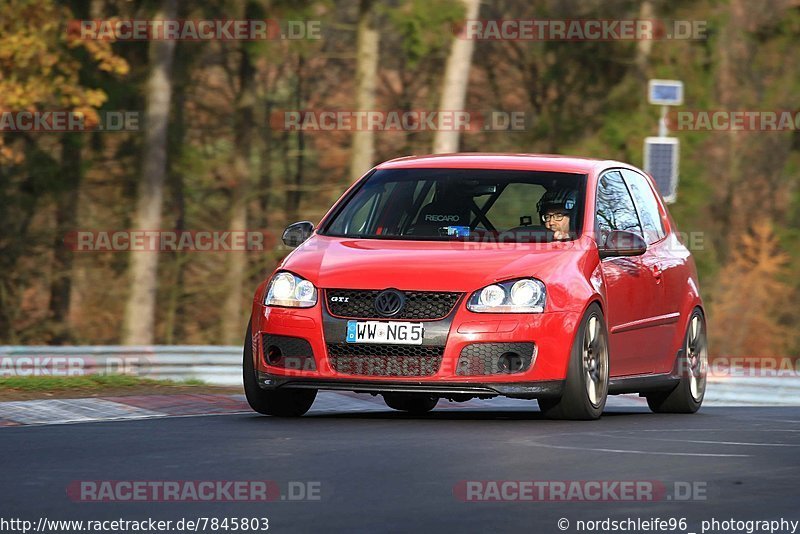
{"points": [[647, 204], [615, 209], [358, 222], [356, 218]]}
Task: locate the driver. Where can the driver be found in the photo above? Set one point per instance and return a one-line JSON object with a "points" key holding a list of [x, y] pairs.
{"points": [[556, 208]]}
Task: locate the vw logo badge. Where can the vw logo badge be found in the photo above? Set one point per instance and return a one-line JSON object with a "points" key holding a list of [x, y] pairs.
{"points": [[389, 303]]}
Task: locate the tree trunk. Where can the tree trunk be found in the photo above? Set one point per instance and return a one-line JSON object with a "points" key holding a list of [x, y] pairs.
{"points": [[644, 46], [232, 316], [454, 86], [294, 191], [265, 163], [66, 221], [140, 309], [20, 206], [174, 308], [733, 53], [362, 156]]}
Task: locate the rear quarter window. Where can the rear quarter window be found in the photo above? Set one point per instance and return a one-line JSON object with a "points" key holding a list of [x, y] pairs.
{"points": [[615, 208], [647, 206]]}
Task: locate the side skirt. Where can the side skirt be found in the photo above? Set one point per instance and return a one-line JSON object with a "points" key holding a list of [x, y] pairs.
{"points": [[642, 383]]}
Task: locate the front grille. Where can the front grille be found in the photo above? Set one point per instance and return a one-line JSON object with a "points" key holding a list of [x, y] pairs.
{"points": [[420, 305], [385, 360], [484, 358], [288, 352]]}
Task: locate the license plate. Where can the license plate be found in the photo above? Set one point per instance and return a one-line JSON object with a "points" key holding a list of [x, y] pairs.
{"points": [[395, 333]]}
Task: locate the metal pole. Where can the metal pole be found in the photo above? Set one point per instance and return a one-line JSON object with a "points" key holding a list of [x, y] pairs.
{"points": [[662, 123]]}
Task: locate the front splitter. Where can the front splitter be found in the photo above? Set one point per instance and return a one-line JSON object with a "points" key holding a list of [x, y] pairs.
{"points": [[519, 390]]}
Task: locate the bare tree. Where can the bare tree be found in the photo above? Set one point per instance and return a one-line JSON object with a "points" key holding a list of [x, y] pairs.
{"points": [[644, 47], [367, 50], [232, 316], [66, 219], [454, 85], [140, 308]]}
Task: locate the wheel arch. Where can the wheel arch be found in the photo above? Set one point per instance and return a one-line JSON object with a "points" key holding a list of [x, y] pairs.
{"points": [[594, 299]]}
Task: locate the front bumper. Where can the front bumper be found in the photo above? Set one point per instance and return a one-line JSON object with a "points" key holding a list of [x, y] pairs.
{"points": [[552, 333], [522, 390]]}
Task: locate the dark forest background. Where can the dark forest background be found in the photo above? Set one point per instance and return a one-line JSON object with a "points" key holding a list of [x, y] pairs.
{"points": [[225, 167]]}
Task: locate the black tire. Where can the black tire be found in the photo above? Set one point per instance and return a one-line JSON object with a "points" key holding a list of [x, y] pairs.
{"points": [[285, 403], [687, 396], [413, 403], [575, 402]]}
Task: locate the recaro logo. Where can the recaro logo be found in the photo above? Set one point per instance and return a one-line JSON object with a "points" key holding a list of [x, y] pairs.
{"points": [[340, 299], [442, 218]]}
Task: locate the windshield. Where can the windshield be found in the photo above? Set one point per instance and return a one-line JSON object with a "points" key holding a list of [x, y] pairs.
{"points": [[468, 204]]}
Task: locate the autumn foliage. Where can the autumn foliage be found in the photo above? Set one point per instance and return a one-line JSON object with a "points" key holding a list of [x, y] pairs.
{"points": [[751, 313], [226, 166]]}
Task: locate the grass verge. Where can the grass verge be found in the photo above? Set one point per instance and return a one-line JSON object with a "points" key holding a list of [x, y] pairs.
{"points": [[49, 383], [45, 387]]}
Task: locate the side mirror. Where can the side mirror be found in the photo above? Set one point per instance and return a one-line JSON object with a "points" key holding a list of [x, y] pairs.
{"points": [[623, 243], [296, 233]]}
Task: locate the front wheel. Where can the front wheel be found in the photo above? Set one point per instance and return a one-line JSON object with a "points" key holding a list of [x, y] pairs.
{"points": [[586, 388], [286, 403], [693, 366]]}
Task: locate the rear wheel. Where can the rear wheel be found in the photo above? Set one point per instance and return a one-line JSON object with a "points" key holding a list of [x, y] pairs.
{"points": [[586, 387], [286, 403], [410, 402], [688, 395]]}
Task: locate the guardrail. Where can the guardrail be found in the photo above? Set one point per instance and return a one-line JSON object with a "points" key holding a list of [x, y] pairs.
{"points": [[217, 365], [221, 365], [753, 390]]}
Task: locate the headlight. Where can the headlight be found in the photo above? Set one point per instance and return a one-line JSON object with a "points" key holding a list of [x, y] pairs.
{"points": [[515, 296], [286, 289]]}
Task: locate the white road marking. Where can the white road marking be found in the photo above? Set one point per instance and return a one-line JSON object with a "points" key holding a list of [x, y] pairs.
{"points": [[710, 442], [628, 451], [737, 430]]}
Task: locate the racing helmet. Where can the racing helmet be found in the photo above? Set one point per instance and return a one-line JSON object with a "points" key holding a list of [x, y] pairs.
{"points": [[558, 199]]}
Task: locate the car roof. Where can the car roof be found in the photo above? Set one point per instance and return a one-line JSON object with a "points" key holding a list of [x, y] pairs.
{"points": [[477, 160]]}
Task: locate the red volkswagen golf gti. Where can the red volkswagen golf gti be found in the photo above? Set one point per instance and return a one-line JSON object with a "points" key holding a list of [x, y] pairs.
{"points": [[476, 275]]}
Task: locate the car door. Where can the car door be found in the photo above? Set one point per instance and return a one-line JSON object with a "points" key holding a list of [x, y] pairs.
{"points": [[661, 264], [629, 285]]}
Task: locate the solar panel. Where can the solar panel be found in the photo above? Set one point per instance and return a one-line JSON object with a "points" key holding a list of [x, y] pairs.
{"points": [[661, 162], [665, 92]]}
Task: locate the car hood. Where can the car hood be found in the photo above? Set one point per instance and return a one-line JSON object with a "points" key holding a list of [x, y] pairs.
{"points": [[331, 262]]}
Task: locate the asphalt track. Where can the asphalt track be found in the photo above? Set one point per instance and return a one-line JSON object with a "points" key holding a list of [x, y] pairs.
{"points": [[384, 471]]}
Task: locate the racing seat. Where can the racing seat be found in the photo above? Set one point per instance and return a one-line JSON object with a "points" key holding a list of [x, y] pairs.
{"points": [[449, 211]]}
